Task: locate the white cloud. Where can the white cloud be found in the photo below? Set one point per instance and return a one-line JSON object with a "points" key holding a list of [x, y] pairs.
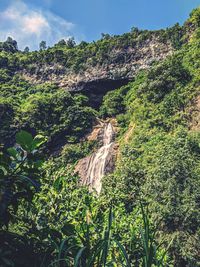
{"points": [[28, 25]]}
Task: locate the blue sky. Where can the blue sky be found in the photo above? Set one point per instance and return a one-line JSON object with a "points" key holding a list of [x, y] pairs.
{"points": [[30, 21]]}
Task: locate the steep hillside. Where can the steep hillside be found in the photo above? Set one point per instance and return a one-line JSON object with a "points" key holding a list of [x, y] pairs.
{"points": [[137, 146], [29, 79], [94, 66], [159, 145]]}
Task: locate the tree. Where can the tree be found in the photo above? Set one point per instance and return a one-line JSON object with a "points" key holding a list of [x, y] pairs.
{"points": [[56, 114], [43, 45], [62, 43], [10, 45], [71, 42], [83, 44], [105, 36], [195, 17], [134, 29], [26, 49], [12, 42]]}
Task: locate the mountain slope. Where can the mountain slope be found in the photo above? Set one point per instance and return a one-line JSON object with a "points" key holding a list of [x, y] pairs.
{"points": [[148, 212], [160, 156]]}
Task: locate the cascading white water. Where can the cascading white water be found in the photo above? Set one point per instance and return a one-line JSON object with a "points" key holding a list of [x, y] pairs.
{"points": [[96, 166]]}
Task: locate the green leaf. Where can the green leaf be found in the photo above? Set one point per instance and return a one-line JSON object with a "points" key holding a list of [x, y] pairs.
{"points": [[124, 254], [12, 152], [78, 256], [58, 183], [38, 164], [38, 141], [25, 140], [3, 171]]}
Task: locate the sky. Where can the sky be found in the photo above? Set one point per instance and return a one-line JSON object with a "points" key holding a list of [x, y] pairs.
{"points": [[30, 21]]}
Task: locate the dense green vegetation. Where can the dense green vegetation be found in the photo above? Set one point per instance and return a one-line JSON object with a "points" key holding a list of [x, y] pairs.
{"points": [[43, 109], [148, 213], [161, 159]]}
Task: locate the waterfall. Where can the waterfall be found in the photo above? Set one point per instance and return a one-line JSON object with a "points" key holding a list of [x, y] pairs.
{"points": [[96, 164]]}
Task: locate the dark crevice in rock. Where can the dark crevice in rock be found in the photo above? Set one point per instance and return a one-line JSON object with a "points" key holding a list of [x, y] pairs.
{"points": [[95, 90]]}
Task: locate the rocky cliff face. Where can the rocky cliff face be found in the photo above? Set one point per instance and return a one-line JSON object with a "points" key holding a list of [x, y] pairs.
{"points": [[119, 68]]}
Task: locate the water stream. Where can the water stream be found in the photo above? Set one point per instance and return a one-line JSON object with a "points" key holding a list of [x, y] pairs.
{"points": [[96, 167]]}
